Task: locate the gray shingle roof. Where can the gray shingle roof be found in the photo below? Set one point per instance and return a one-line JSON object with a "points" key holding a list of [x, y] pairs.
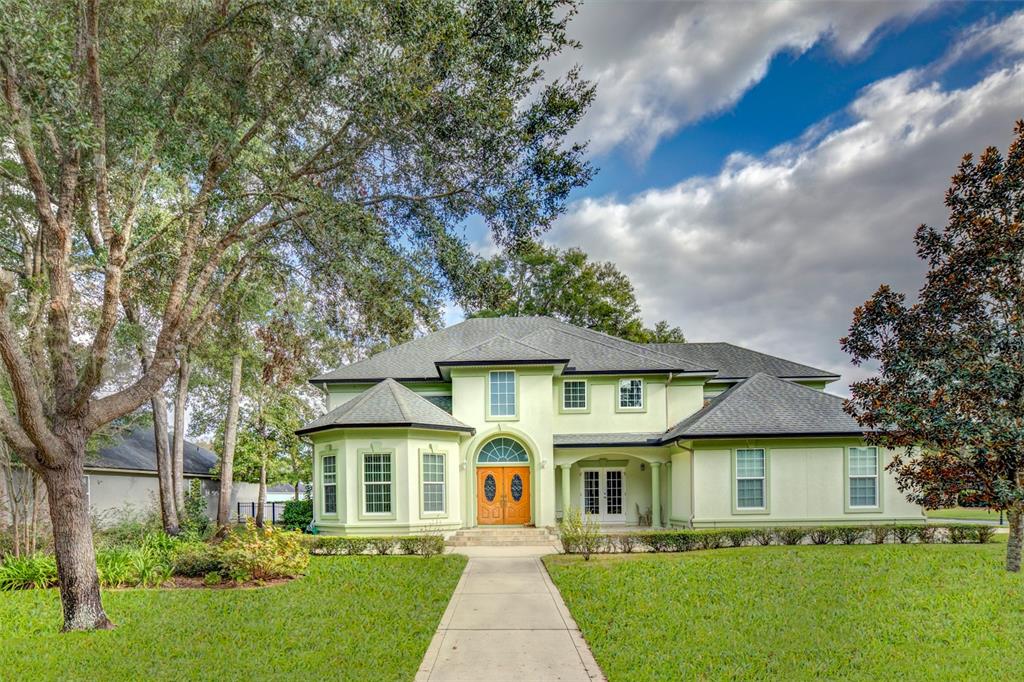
{"points": [[386, 404], [500, 348], [736, 362], [590, 440], [763, 405], [587, 350], [136, 451]]}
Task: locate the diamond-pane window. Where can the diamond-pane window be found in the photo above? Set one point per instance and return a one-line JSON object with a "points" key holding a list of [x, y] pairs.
{"points": [[501, 451]]}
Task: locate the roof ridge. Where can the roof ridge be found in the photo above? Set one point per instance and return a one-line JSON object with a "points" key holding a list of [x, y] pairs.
{"points": [[569, 332], [712, 405], [399, 398], [774, 357]]}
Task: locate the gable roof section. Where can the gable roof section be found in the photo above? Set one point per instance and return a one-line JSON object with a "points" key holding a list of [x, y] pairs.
{"points": [[764, 405], [386, 404], [736, 362], [585, 349], [136, 451], [501, 348]]}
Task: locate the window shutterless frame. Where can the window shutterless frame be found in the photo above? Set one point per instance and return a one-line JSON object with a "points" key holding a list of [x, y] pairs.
{"points": [[329, 484], [433, 484], [574, 396], [502, 399], [377, 474], [863, 479], [631, 395], [750, 467]]}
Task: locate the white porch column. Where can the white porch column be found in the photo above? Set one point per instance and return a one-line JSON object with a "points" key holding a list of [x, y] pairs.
{"points": [[566, 498], [656, 494]]}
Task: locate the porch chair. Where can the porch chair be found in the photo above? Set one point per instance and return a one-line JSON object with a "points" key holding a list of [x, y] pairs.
{"points": [[643, 519]]}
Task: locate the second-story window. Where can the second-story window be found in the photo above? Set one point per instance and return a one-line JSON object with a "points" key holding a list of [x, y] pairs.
{"points": [[631, 394], [503, 393], [574, 394]]}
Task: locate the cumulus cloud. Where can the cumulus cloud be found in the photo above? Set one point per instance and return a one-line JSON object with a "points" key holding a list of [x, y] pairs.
{"points": [[775, 251], [662, 65]]}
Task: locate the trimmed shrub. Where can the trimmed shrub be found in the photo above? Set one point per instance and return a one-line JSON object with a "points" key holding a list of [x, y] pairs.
{"points": [[430, 545], [960, 533], [736, 537], [658, 541], [762, 536], [626, 542], [197, 559], [878, 534], [928, 534], [849, 535], [790, 535], [409, 544], [26, 572], [904, 533], [356, 546], [709, 539], [382, 545], [327, 545], [823, 535], [983, 534], [298, 514], [263, 553]]}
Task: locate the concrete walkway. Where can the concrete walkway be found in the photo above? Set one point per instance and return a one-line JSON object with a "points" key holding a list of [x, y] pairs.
{"points": [[507, 621]]}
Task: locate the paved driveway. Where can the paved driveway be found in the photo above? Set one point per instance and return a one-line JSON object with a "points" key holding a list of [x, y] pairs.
{"points": [[506, 621]]}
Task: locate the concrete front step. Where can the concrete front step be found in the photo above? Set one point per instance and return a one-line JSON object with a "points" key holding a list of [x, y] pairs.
{"points": [[500, 542], [501, 537]]}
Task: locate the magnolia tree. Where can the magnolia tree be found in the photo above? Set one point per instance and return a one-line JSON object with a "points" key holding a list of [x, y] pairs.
{"points": [[951, 382], [159, 150]]}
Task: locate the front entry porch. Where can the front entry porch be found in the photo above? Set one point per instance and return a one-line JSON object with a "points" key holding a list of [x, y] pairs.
{"points": [[620, 489]]}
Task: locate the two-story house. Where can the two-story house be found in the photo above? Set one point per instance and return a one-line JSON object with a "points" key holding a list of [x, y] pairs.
{"points": [[511, 421]]}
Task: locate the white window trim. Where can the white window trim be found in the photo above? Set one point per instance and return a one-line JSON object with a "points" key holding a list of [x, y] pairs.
{"points": [[363, 513], [763, 509], [877, 506], [586, 396], [489, 415], [619, 407], [324, 485], [443, 513]]}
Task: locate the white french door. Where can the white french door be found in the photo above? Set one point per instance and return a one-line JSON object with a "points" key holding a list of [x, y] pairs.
{"points": [[603, 494]]}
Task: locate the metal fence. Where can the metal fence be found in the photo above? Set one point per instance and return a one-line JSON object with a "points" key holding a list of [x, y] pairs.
{"points": [[273, 512]]}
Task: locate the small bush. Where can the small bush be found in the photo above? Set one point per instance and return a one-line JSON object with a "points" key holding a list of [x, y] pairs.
{"points": [[262, 553], [126, 528], [736, 537], [431, 545], [983, 534], [298, 514], [117, 567], [823, 535], [849, 535], [152, 567], [579, 534], [710, 539], [790, 535], [213, 578], [626, 542], [328, 545], [355, 546], [196, 523], [762, 536], [409, 544], [905, 533], [26, 572], [382, 545], [928, 534], [879, 534], [658, 541], [197, 559], [960, 533]]}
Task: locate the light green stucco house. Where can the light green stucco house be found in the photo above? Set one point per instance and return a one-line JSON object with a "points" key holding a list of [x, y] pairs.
{"points": [[510, 421]]}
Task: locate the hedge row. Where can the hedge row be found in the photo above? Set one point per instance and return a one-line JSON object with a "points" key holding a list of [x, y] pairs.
{"points": [[423, 545], [688, 540]]}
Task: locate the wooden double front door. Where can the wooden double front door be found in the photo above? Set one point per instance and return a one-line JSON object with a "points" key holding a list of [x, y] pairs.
{"points": [[502, 495]]}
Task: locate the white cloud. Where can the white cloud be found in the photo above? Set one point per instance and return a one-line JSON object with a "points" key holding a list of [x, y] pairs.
{"points": [[662, 65], [775, 251]]}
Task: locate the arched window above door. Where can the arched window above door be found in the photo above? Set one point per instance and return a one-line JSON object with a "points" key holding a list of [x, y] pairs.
{"points": [[502, 451]]}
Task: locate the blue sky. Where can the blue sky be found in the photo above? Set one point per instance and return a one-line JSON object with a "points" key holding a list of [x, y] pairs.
{"points": [[763, 166]]}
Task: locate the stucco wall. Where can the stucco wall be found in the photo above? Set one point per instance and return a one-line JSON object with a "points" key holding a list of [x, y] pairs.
{"points": [[806, 483]]}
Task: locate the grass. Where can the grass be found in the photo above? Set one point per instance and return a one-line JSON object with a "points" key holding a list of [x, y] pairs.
{"points": [[350, 618], [967, 513], [830, 612]]}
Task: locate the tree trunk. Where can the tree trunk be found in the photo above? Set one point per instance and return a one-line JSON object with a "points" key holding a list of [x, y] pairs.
{"points": [[227, 459], [164, 473], [72, 545], [180, 397], [1015, 519], [261, 499]]}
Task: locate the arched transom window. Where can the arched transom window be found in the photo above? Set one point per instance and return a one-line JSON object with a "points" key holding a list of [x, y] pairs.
{"points": [[501, 451]]}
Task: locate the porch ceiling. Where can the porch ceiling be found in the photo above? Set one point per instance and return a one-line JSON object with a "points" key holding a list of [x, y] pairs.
{"points": [[603, 440]]}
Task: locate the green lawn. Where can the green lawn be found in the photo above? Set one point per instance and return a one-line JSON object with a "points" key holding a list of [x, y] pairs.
{"points": [[971, 513], [352, 618], [854, 612]]}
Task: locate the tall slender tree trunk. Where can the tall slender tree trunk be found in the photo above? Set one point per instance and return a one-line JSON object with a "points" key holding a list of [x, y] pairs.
{"points": [[164, 472], [180, 398], [1015, 520], [72, 543], [261, 498], [227, 460]]}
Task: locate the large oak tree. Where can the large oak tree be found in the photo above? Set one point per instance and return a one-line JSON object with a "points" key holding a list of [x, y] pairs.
{"points": [[951, 383], [165, 147]]}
